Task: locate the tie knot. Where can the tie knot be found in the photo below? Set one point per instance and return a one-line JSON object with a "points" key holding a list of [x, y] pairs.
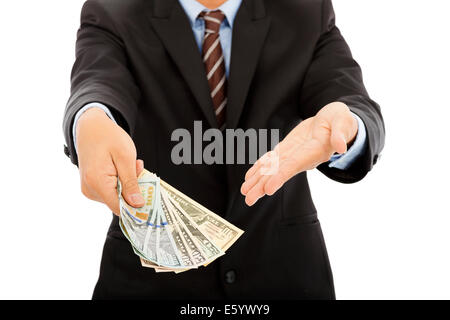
{"points": [[213, 20]]}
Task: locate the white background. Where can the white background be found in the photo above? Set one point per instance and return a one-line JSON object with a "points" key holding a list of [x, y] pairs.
{"points": [[388, 236]]}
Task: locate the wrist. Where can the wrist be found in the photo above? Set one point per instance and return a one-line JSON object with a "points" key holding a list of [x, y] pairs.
{"points": [[93, 112], [91, 116]]}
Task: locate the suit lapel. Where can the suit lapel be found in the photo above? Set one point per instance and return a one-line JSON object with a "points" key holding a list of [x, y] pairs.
{"points": [[172, 25], [249, 32]]}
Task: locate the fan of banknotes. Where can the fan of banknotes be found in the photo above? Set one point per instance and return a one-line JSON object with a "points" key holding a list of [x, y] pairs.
{"points": [[171, 232]]}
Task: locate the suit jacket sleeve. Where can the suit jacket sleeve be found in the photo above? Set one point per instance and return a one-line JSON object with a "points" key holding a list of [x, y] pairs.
{"points": [[100, 73], [334, 75]]}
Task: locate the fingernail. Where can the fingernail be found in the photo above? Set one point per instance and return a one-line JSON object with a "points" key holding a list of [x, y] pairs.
{"points": [[137, 198]]}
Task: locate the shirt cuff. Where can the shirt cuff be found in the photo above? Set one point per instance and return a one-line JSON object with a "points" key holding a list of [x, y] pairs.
{"points": [[344, 161], [83, 110]]}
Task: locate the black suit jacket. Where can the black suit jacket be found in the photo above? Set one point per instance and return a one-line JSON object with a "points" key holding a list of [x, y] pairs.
{"points": [[288, 60]]}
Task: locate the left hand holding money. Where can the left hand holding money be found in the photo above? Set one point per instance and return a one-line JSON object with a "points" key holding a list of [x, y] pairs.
{"points": [[308, 145]]}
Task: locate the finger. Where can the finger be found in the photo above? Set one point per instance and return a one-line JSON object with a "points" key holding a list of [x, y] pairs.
{"points": [[257, 192], [90, 193], [250, 183], [343, 130], [274, 184], [139, 167], [111, 199], [261, 168], [338, 142], [262, 162], [106, 188], [286, 171], [127, 168], [254, 169]]}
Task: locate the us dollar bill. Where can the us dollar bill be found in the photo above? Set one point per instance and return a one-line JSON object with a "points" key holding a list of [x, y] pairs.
{"points": [[197, 256], [149, 186], [208, 248], [179, 241], [136, 234], [172, 232], [217, 229], [167, 252]]}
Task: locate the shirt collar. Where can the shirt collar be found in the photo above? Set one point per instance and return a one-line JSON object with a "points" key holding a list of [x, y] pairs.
{"points": [[193, 9]]}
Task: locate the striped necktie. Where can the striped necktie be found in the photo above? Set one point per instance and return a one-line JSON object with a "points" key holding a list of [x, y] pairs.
{"points": [[214, 64]]}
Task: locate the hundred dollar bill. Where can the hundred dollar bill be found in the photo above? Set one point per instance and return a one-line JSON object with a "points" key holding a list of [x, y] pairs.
{"points": [[148, 264], [167, 252], [175, 233], [136, 234], [150, 244], [217, 229], [168, 235], [149, 186], [172, 232], [162, 255], [138, 224], [191, 254]]}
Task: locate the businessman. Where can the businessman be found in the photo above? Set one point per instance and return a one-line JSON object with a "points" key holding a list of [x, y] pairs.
{"points": [[145, 68]]}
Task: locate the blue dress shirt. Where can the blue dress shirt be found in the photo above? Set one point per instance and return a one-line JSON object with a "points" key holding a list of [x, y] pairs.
{"points": [[230, 9]]}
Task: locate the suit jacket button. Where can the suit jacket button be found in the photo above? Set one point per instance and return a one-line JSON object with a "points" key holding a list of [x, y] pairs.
{"points": [[230, 277], [375, 159], [66, 151]]}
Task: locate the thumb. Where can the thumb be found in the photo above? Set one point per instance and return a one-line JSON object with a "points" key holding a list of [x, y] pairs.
{"points": [[343, 130], [130, 189]]}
